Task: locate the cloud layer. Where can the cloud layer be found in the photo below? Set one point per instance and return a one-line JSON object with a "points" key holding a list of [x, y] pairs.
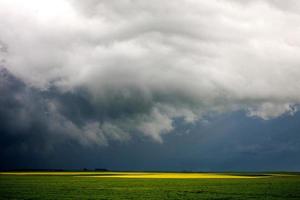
{"points": [[107, 70]]}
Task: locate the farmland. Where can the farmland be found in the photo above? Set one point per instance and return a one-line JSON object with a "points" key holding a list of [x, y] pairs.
{"points": [[146, 185]]}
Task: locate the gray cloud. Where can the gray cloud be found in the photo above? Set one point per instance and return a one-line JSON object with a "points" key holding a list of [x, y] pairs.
{"points": [[108, 70]]}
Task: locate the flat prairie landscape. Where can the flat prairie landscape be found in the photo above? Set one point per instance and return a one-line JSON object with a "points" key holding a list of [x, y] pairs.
{"points": [[148, 185]]}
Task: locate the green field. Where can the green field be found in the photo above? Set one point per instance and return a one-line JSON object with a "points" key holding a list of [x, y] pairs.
{"points": [[122, 185]]}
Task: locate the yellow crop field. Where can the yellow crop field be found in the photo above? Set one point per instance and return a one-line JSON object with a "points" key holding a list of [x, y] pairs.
{"points": [[174, 176]]}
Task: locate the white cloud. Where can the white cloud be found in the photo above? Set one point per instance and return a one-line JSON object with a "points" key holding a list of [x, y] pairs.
{"points": [[155, 125], [270, 110]]}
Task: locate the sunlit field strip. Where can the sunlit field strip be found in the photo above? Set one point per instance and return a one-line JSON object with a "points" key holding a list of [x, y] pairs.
{"points": [[150, 175], [176, 176]]}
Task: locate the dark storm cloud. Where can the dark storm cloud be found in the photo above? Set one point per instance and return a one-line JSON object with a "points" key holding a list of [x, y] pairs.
{"points": [[99, 72], [22, 116], [227, 142], [49, 116], [35, 119]]}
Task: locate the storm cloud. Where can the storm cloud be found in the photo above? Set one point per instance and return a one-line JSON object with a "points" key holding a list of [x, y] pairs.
{"points": [[93, 71]]}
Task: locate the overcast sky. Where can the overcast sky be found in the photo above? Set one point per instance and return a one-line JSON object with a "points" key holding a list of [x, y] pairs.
{"points": [[184, 84]]}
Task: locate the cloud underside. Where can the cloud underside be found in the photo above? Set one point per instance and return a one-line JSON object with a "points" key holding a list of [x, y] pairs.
{"points": [[94, 71]]}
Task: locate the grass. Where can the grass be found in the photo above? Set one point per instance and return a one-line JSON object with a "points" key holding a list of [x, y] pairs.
{"points": [[128, 185]]}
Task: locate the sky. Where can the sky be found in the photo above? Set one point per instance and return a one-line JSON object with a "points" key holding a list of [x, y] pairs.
{"points": [[191, 85]]}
